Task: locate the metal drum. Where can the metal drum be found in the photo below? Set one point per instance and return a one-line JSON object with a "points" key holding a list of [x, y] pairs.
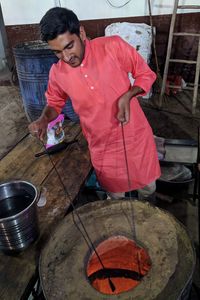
{"points": [[18, 216], [33, 62], [64, 260]]}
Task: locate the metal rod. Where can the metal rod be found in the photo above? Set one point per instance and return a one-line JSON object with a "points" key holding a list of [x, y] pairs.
{"points": [[112, 286], [129, 187], [126, 160]]}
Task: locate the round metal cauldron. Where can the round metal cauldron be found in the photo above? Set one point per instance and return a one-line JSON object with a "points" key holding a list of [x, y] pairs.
{"points": [[174, 188], [33, 62], [64, 260], [18, 216]]}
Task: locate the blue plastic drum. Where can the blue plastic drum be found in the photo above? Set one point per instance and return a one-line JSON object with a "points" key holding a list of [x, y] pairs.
{"points": [[33, 62]]}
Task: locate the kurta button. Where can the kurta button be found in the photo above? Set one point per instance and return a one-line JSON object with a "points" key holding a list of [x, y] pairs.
{"points": [[82, 65], [92, 87], [86, 75]]}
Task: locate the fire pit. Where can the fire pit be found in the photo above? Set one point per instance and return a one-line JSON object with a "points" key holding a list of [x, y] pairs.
{"points": [[123, 232], [126, 263]]}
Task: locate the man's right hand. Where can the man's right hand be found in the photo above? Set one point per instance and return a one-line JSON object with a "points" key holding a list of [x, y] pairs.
{"points": [[39, 128]]}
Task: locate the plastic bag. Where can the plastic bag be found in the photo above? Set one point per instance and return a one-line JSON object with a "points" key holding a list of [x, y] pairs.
{"points": [[55, 132]]}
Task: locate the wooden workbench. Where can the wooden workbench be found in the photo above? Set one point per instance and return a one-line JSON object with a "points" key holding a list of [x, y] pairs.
{"points": [[74, 165]]}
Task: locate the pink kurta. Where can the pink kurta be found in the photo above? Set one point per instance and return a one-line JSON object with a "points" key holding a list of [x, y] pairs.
{"points": [[94, 88]]}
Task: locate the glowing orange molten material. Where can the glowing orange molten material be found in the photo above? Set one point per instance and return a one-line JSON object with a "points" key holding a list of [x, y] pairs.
{"points": [[122, 254]]}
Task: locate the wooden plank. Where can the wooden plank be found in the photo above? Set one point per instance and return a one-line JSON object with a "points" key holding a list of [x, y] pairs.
{"points": [[186, 34], [192, 84], [180, 87], [73, 169], [169, 48], [196, 81], [20, 163], [73, 164], [14, 272], [188, 7], [183, 61]]}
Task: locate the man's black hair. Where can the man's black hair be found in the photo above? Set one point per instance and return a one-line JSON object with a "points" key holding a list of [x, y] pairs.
{"points": [[58, 20]]}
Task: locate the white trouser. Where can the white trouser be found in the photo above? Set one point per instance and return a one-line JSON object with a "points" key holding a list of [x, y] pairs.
{"points": [[143, 194]]}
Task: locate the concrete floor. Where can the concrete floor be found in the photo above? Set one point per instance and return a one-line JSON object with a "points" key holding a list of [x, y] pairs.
{"points": [[176, 121], [173, 121], [13, 122]]}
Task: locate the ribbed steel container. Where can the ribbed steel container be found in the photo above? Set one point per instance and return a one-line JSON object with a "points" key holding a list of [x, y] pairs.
{"points": [[18, 215]]}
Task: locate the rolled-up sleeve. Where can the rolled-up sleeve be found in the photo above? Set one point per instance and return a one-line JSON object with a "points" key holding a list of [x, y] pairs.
{"points": [[132, 62]]}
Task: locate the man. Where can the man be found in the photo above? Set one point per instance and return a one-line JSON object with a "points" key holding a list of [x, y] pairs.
{"points": [[94, 74]]}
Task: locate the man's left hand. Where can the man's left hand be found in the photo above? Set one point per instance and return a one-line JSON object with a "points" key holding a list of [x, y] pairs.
{"points": [[123, 114]]}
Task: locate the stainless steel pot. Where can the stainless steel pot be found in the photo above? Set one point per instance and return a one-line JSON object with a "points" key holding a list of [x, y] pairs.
{"points": [[18, 215]]}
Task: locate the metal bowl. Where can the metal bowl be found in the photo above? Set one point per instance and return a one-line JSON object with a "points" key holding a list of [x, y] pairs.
{"points": [[18, 215], [172, 187]]}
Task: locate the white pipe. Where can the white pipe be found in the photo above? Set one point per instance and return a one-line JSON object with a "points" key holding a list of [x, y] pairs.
{"points": [[57, 3]]}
